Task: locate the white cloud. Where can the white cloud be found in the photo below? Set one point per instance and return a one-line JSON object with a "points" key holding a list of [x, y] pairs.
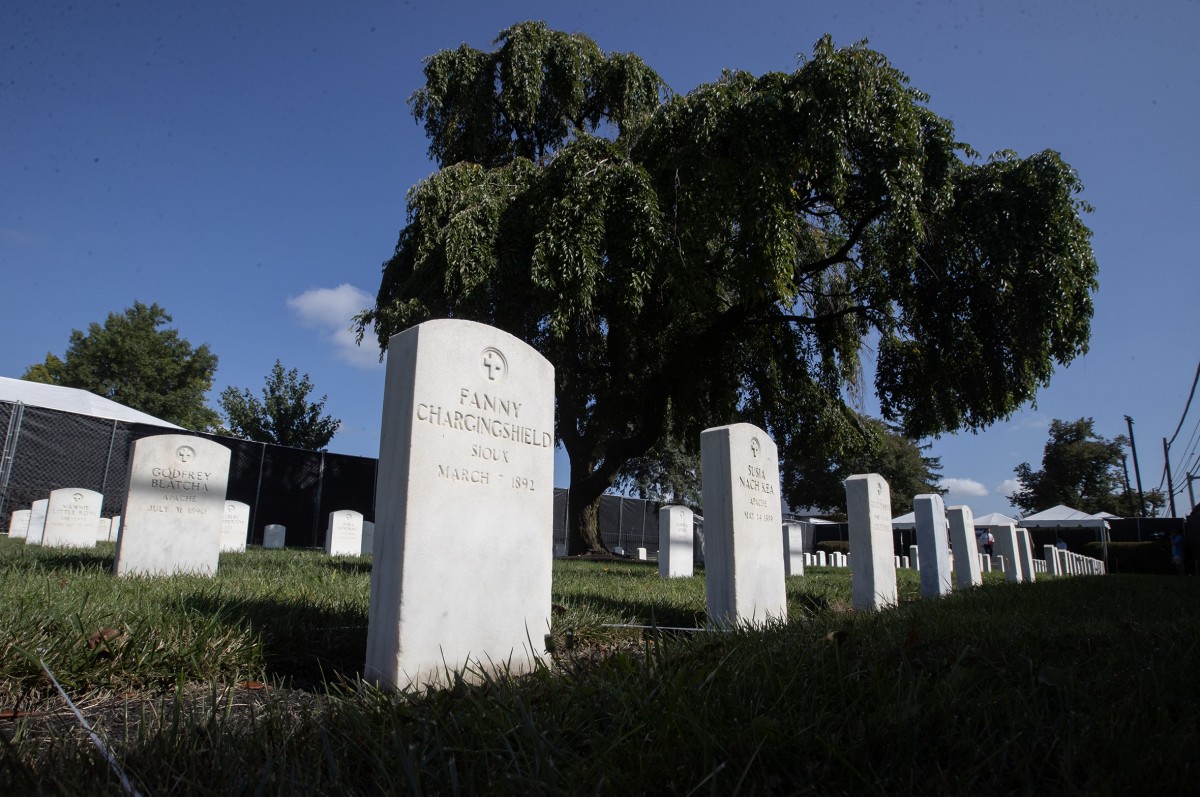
{"points": [[332, 311], [1008, 487], [964, 487], [1029, 420]]}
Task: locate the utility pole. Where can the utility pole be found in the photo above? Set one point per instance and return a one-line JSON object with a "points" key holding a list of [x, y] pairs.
{"points": [[1128, 492], [1137, 472], [1170, 486], [1191, 496]]}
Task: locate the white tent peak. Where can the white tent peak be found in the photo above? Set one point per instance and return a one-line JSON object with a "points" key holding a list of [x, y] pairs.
{"points": [[995, 519], [1062, 516]]}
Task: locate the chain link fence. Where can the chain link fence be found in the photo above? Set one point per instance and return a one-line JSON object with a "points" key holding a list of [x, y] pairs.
{"points": [[45, 449]]}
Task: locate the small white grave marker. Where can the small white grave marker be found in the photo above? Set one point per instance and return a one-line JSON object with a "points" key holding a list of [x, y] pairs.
{"points": [[674, 542], [235, 523], [274, 536], [344, 537], [71, 518], [793, 549], [18, 524], [37, 521]]}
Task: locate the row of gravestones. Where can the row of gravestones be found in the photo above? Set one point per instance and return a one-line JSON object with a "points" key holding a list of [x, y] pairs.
{"points": [[464, 510], [180, 514]]}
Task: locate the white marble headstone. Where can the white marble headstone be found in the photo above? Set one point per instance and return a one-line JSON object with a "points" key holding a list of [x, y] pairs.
{"points": [[793, 549], [18, 524], [1007, 555], [1025, 552], [344, 537], [933, 540], [104, 529], [235, 524], [744, 579], [274, 535], [966, 547], [37, 521], [464, 506], [114, 530], [71, 518], [368, 538], [869, 516], [674, 542], [174, 507]]}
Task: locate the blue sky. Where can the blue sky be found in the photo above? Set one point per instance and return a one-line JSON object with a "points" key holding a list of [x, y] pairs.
{"points": [[245, 165]]}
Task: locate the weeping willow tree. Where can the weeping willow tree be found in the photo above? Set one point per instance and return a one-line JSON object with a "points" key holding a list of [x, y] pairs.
{"points": [[729, 254]]}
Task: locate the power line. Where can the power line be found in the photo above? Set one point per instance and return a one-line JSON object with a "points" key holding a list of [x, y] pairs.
{"points": [[1195, 379]]}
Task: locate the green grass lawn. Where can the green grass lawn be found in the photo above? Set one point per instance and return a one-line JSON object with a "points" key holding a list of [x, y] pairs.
{"points": [[248, 683]]}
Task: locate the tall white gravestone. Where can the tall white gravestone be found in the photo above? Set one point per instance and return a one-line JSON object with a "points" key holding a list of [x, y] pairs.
{"points": [[72, 517], [464, 506], [37, 521], [966, 547], [104, 530], [174, 508], [674, 542], [18, 524], [344, 537], [869, 516], [235, 524], [744, 581], [1005, 547], [793, 549], [934, 545], [368, 538], [1025, 552]]}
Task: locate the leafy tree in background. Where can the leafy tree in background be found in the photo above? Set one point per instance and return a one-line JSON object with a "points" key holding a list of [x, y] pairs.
{"points": [[812, 479], [815, 479], [1080, 469], [284, 417], [133, 360], [725, 255], [668, 472]]}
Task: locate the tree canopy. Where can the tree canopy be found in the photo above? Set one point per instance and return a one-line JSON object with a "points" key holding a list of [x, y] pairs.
{"points": [[133, 360], [728, 254], [812, 479], [284, 416], [1082, 470]]}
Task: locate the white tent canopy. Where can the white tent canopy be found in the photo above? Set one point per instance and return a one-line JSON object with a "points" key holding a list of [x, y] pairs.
{"points": [[995, 519], [71, 399], [1063, 517], [908, 521]]}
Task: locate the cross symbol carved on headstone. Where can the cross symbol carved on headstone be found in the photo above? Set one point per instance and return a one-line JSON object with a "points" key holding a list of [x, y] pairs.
{"points": [[494, 364]]}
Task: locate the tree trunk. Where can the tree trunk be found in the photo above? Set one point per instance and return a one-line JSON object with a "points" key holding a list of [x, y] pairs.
{"points": [[583, 523]]}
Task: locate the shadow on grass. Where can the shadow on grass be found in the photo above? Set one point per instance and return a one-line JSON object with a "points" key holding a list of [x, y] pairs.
{"points": [[303, 645], [80, 559], [352, 567], [646, 612]]}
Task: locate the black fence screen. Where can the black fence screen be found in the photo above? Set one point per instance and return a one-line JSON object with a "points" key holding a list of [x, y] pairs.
{"points": [[45, 449]]}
